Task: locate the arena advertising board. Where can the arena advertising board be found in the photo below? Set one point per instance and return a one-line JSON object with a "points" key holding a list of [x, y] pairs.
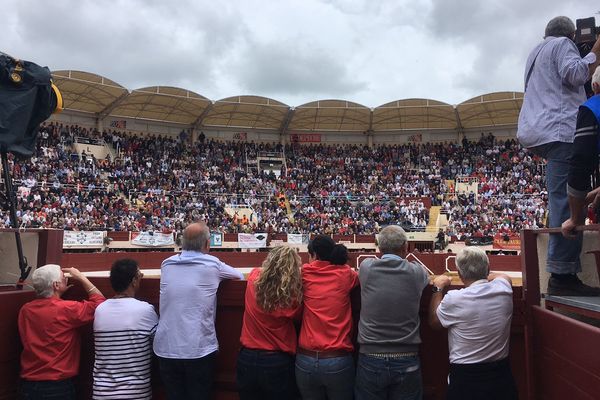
{"points": [[507, 242], [83, 238], [305, 138], [252, 240], [297, 238], [216, 239], [152, 239]]}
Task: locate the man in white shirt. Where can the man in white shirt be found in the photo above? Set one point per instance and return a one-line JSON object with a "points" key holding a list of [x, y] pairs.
{"points": [[123, 329], [186, 341], [478, 319], [554, 77]]}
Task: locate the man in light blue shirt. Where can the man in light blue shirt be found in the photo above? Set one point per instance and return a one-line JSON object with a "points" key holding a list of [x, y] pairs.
{"points": [[186, 341], [554, 77]]}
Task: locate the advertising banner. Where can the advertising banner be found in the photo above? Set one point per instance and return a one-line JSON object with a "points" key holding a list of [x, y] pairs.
{"points": [[305, 138], [216, 239], [152, 239], [297, 238], [513, 242], [83, 238], [252, 240]]}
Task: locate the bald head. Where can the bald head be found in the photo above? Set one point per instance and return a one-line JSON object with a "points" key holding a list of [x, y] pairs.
{"points": [[196, 237]]}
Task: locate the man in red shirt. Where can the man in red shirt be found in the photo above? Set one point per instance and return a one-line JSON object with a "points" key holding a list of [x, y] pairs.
{"points": [[49, 332]]}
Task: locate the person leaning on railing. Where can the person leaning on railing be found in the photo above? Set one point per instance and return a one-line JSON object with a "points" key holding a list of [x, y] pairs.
{"points": [[324, 363], [49, 329], [478, 319], [265, 364]]}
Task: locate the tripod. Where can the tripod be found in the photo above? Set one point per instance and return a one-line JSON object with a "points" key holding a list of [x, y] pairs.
{"points": [[11, 202]]}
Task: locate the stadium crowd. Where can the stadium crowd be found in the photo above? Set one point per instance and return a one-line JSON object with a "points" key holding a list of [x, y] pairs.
{"points": [[160, 183]]}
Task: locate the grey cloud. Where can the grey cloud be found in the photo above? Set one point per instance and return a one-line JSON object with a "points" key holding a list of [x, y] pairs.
{"points": [[143, 44], [295, 68]]}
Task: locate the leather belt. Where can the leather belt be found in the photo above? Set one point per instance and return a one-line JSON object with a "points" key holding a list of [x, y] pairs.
{"points": [[393, 355], [323, 354]]}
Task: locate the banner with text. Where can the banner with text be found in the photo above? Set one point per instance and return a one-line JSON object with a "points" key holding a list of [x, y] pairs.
{"points": [[501, 242], [252, 240], [240, 136], [305, 138], [297, 238], [216, 239], [83, 238], [152, 239]]}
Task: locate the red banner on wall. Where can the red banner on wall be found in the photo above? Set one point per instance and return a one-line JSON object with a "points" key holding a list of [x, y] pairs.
{"points": [[513, 242], [305, 138]]}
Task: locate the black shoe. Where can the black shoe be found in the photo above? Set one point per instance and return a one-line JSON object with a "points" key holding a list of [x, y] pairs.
{"points": [[571, 287]]}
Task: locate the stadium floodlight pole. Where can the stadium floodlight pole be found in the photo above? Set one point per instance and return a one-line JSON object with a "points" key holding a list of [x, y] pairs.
{"points": [[11, 199]]}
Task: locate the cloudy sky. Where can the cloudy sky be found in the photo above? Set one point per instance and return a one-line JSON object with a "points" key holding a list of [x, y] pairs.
{"points": [[295, 51]]}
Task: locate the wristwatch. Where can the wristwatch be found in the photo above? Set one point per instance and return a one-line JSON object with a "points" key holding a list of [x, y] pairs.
{"points": [[436, 289]]}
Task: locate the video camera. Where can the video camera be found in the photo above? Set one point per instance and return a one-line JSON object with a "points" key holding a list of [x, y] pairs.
{"points": [[27, 98], [586, 34]]}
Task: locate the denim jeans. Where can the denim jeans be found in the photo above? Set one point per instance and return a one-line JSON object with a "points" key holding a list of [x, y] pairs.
{"points": [[388, 378], [265, 375], [48, 390], [325, 378], [563, 253], [188, 379]]}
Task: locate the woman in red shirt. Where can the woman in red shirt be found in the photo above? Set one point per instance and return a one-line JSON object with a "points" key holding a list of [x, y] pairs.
{"points": [[324, 364], [265, 365]]}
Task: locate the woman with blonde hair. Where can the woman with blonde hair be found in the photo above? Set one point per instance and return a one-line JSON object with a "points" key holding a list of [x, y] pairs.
{"points": [[265, 365]]}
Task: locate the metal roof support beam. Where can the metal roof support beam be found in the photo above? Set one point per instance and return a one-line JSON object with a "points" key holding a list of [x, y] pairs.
{"points": [[197, 124], [109, 108], [286, 123], [460, 130]]}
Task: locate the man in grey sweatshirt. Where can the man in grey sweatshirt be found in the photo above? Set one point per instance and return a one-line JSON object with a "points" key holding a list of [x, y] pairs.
{"points": [[388, 330]]}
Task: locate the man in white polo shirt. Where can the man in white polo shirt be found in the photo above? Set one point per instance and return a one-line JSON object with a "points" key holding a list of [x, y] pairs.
{"points": [[478, 319]]}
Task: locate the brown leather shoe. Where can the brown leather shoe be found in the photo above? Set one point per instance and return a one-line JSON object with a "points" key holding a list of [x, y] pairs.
{"points": [[571, 287]]}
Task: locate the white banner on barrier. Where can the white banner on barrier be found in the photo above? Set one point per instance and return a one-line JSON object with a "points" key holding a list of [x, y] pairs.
{"points": [[83, 238], [252, 240], [297, 238], [152, 239]]}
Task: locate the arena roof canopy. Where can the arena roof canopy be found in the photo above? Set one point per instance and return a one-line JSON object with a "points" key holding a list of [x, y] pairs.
{"points": [[95, 94]]}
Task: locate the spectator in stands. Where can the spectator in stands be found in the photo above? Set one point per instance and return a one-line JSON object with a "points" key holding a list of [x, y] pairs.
{"points": [[123, 330], [49, 329], [388, 362], [265, 365], [324, 364], [478, 320], [554, 78], [186, 341]]}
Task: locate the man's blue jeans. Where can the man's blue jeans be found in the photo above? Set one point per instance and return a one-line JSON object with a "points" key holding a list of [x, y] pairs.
{"points": [[388, 378], [48, 390], [563, 253], [265, 375], [325, 378]]}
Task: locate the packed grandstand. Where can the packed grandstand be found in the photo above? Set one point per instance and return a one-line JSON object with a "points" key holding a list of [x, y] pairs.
{"points": [[329, 166], [156, 183]]}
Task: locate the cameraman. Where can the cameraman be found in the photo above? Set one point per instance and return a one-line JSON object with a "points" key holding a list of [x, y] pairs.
{"points": [[555, 75]]}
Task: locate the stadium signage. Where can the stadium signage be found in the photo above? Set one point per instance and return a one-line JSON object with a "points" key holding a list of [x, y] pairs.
{"points": [[240, 136], [216, 239], [513, 242], [305, 138], [83, 238], [252, 240], [152, 239], [119, 124], [297, 238]]}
